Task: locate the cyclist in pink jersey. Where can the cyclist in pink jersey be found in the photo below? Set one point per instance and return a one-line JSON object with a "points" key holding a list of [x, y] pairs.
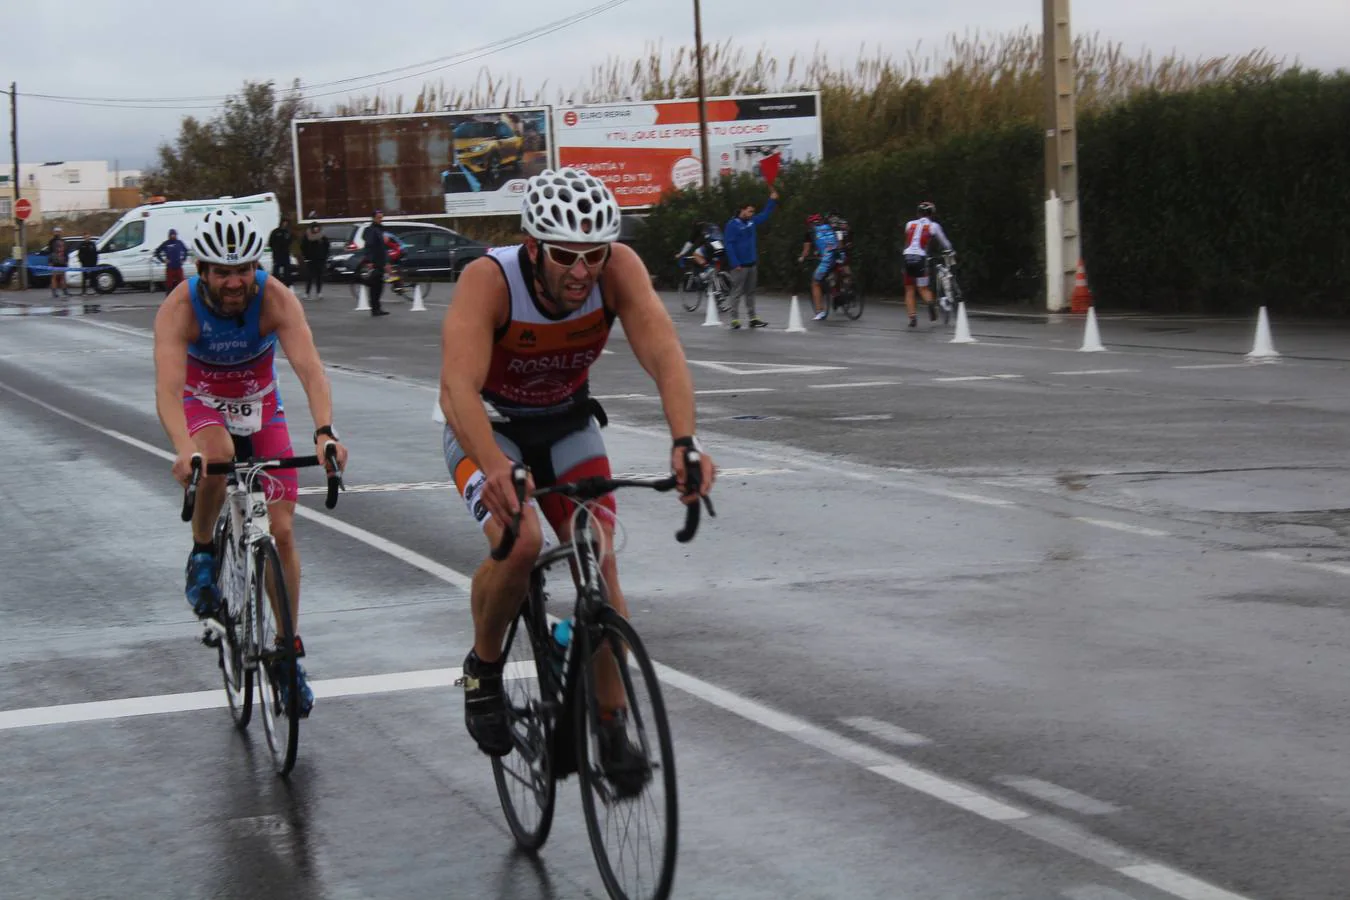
{"points": [[216, 390], [527, 324]]}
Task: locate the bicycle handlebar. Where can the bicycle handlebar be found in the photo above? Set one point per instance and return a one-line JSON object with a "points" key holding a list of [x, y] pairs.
{"points": [[596, 486], [291, 462]]}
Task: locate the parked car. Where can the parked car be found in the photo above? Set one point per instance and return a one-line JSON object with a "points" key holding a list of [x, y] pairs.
{"points": [[427, 249], [37, 270], [486, 147]]}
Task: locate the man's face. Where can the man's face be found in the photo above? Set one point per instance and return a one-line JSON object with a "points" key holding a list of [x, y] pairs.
{"points": [[747, 212], [379, 217], [569, 270], [230, 287], [173, 235]]}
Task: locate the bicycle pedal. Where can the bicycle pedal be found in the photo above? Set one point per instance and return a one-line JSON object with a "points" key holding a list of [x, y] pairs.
{"points": [[210, 638]]}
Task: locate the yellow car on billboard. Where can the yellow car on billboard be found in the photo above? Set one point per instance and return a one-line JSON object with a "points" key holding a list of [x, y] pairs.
{"points": [[486, 147]]}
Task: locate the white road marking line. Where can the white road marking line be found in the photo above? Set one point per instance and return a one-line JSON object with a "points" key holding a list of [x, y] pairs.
{"points": [[1178, 884], [1095, 372], [383, 488], [1241, 365], [752, 390], [850, 384], [974, 498], [1095, 892], [755, 368], [1060, 796], [1049, 829], [976, 377], [886, 731], [1333, 568], [412, 558], [623, 396], [874, 417], [1123, 526]]}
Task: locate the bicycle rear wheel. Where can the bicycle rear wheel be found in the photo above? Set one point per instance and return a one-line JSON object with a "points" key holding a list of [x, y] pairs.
{"points": [[235, 617], [851, 299], [277, 678], [525, 782], [632, 814], [691, 291]]}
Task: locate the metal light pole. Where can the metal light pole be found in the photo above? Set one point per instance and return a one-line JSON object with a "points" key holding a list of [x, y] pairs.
{"points": [[21, 239], [702, 98], [1062, 247]]}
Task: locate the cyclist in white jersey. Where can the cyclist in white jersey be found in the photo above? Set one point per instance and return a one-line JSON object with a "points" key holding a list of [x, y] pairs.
{"points": [[919, 234]]}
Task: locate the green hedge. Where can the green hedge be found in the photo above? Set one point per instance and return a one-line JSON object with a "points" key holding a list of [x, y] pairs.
{"points": [[1212, 200]]}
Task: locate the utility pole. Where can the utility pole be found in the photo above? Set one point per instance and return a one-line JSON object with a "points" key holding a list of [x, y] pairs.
{"points": [[14, 148], [1062, 246], [702, 95]]}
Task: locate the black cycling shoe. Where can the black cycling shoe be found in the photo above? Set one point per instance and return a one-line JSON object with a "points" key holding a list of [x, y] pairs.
{"points": [[485, 706], [621, 760]]}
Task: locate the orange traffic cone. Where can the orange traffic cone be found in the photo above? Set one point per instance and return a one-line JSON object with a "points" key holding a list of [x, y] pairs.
{"points": [[1081, 299]]}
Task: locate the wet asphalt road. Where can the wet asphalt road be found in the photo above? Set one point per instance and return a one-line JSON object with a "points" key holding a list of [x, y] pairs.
{"points": [[974, 621]]}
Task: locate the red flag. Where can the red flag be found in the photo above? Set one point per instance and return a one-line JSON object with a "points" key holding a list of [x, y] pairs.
{"points": [[768, 167]]}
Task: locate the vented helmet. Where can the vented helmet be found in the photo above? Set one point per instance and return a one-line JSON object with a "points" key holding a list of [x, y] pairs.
{"points": [[570, 205], [227, 237]]}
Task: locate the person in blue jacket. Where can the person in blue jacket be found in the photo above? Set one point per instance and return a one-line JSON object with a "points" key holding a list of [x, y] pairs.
{"points": [[741, 237]]}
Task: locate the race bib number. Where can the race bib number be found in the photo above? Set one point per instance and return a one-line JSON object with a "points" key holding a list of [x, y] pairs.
{"points": [[716, 245], [242, 417]]}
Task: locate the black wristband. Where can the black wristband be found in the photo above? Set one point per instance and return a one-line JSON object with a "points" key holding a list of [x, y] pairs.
{"points": [[689, 443], [325, 429]]}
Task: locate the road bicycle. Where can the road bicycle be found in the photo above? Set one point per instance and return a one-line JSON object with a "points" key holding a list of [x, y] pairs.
{"points": [[555, 716], [400, 279], [255, 638], [948, 292], [839, 289], [694, 284]]}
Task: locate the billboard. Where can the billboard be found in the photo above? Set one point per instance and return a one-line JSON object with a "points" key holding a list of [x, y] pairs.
{"points": [[419, 165], [642, 149]]}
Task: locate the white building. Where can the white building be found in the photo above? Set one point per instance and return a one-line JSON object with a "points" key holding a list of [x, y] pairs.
{"points": [[68, 187]]}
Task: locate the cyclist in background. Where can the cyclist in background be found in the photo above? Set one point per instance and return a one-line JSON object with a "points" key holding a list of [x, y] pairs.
{"points": [[703, 247], [821, 236], [919, 234]]}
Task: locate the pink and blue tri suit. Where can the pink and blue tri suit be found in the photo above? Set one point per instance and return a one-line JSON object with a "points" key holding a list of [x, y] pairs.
{"points": [[232, 383]]}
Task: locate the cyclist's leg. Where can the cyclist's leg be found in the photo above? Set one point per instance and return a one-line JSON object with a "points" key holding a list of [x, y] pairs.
{"points": [[494, 596], [207, 427], [582, 454], [283, 488], [818, 276]]}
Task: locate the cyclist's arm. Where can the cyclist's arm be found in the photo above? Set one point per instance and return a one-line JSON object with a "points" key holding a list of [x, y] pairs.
{"points": [[288, 321], [467, 337], [172, 331], [652, 336], [941, 237], [684, 251]]}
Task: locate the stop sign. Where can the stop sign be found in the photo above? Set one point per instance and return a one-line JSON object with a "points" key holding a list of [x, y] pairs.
{"points": [[23, 209]]}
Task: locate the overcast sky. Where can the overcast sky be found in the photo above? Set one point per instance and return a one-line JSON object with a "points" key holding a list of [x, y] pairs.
{"points": [[140, 49]]}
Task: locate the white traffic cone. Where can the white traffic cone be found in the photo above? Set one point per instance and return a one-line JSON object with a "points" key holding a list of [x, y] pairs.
{"points": [[963, 335], [436, 414], [1263, 347], [1092, 341], [363, 301], [795, 317], [419, 305], [711, 317]]}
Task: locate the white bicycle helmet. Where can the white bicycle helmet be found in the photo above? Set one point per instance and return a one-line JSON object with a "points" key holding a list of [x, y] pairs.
{"points": [[570, 205], [227, 237]]}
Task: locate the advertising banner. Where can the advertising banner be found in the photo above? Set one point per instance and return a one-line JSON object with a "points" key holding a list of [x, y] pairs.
{"points": [[425, 164], [642, 150]]}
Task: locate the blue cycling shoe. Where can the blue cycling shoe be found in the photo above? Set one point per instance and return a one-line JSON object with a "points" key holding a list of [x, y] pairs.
{"points": [[306, 699], [201, 584]]}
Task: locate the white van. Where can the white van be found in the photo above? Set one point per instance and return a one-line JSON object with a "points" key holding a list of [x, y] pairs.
{"points": [[126, 251]]}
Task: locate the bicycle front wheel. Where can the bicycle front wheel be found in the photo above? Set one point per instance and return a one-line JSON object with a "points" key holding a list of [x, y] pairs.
{"points": [[851, 300], [235, 617], [278, 681], [628, 793], [525, 782]]}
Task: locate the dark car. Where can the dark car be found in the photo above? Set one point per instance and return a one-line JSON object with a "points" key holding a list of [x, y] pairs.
{"points": [[427, 249]]}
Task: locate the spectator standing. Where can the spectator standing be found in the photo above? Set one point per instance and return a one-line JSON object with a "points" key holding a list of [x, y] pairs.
{"points": [[378, 255], [314, 251], [742, 246], [172, 253], [279, 242], [88, 262], [58, 258]]}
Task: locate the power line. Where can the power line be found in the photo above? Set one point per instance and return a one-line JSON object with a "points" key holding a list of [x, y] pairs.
{"points": [[423, 69]]}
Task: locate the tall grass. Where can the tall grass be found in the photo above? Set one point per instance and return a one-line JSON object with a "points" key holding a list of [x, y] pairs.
{"points": [[875, 102]]}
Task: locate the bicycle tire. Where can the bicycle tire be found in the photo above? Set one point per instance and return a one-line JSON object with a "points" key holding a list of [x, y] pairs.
{"points": [[234, 616], [281, 720], [853, 306], [527, 642], [691, 292], [612, 628]]}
